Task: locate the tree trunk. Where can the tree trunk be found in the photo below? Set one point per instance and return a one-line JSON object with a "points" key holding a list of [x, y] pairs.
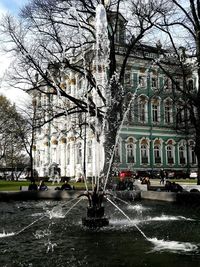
{"points": [[113, 117]]}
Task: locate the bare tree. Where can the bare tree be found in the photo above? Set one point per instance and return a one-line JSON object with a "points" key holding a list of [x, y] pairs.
{"points": [[27, 125], [55, 38], [180, 60]]}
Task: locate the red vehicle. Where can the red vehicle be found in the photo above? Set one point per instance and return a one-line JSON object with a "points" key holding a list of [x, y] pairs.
{"points": [[124, 174]]}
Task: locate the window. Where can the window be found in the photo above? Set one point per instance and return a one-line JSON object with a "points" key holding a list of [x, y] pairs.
{"points": [[153, 82], [168, 111], [142, 81], [193, 159], [79, 153], [155, 111], [170, 155], [144, 154], [191, 152], [180, 114], [182, 155], [120, 33], [68, 154], [89, 149], [130, 113], [130, 153], [38, 159], [167, 84], [142, 109], [157, 157]]}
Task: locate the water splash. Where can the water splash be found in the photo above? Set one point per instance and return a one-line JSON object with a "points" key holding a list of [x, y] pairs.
{"points": [[161, 245], [125, 223], [138, 208], [42, 233], [56, 212], [4, 234], [121, 200], [172, 246], [122, 212], [168, 218], [50, 246], [72, 206]]}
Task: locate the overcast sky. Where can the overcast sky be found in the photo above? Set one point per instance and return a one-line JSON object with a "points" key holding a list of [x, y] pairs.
{"points": [[12, 7]]}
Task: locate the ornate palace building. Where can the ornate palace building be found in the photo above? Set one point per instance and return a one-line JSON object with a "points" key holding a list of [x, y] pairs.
{"points": [[152, 137]]}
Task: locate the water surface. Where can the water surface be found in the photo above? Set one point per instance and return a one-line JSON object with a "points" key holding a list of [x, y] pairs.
{"points": [[43, 233]]}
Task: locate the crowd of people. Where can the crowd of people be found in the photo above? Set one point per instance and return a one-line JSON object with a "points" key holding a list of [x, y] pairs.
{"points": [[123, 184], [43, 187], [173, 187]]}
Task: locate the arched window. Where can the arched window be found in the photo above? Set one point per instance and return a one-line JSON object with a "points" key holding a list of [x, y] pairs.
{"points": [[144, 151], [155, 110], [180, 112], [142, 109], [192, 155], [182, 155], [170, 154], [142, 80], [157, 153], [144, 154], [168, 111], [130, 153]]}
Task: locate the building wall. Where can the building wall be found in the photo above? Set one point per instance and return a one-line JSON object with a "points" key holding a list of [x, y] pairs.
{"points": [[148, 139]]}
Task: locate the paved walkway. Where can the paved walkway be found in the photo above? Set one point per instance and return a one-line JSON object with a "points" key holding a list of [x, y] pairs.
{"points": [[186, 182]]}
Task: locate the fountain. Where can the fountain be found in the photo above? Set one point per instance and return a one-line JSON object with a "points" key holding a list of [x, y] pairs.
{"points": [[136, 234], [95, 211]]}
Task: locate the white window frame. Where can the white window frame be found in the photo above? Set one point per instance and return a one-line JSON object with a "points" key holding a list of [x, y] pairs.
{"points": [[142, 110], [168, 118], [155, 109], [171, 152]]}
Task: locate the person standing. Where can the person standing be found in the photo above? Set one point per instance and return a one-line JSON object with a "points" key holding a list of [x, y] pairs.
{"points": [[162, 176]]}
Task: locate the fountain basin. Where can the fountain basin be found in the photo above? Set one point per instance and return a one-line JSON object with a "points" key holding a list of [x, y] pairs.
{"points": [[39, 195], [183, 198]]}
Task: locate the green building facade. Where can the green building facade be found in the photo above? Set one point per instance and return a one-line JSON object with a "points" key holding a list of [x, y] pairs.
{"points": [[154, 134]]}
